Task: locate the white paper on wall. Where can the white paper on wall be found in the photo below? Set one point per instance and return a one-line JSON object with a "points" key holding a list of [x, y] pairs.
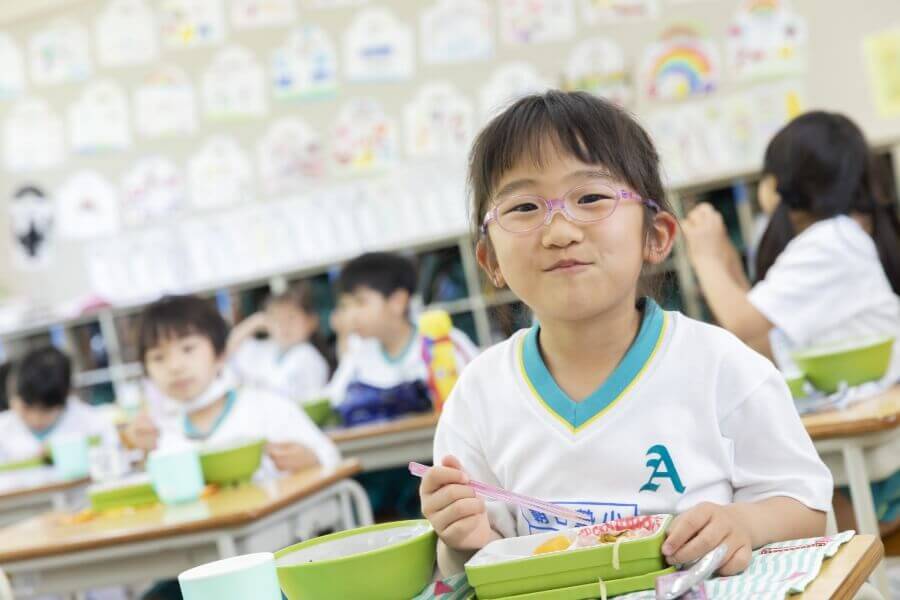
{"points": [[325, 4], [152, 189], [109, 272], [439, 121], [536, 21], [164, 104], [126, 34], [378, 47], [31, 224], [155, 259], [33, 137], [220, 174], [454, 31], [508, 83], [616, 11], [291, 157], [305, 66], [60, 54], [254, 14], [87, 206], [681, 64], [364, 138], [98, 121], [12, 68], [766, 39], [191, 23], [234, 85], [597, 65]]}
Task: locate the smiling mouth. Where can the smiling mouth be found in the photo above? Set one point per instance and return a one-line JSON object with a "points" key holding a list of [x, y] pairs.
{"points": [[566, 265]]}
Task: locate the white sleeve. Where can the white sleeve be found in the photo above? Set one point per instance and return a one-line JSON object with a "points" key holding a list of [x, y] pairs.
{"points": [[336, 389], [309, 374], [806, 281], [286, 422], [772, 452], [465, 349], [246, 360], [457, 435]]}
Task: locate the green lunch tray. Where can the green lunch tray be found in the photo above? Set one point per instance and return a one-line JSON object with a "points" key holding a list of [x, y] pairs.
{"points": [[28, 463], [567, 569], [132, 492], [590, 591]]}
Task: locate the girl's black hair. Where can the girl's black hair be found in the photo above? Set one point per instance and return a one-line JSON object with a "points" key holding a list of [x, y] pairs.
{"points": [[823, 166]]}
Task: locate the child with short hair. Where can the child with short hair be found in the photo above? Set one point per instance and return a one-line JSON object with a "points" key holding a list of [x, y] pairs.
{"points": [[374, 292], [609, 405], [41, 407], [181, 341], [291, 361]]}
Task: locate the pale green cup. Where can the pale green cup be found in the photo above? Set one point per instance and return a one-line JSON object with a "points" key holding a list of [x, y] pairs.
{"points": [[70, 456], [176, 475], [236, 578]]}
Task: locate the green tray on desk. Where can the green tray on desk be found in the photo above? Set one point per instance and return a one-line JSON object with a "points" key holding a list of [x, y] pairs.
{"points": [[128, 492]]}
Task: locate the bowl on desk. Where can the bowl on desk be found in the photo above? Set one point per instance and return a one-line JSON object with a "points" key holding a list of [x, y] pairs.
{"points": [[233, 462], [377, 562], [796, 382], [320, 412], [853, 363]]}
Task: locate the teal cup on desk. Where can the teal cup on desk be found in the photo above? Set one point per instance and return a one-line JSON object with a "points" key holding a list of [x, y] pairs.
{"points": [[176, 475], [70, 456], [236, 578]]}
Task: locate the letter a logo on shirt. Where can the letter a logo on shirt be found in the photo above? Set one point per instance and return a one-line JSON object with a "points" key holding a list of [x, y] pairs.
{"points": [[659, 460]]}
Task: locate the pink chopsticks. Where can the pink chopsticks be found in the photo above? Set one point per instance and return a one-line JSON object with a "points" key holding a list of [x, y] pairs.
{"points": [[495, 493]]}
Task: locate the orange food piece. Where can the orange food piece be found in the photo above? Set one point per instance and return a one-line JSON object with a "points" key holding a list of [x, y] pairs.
{"points": [[554, 544]]}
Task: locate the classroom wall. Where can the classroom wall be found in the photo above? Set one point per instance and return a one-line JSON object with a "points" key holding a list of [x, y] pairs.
{"points": [[834, 77]]}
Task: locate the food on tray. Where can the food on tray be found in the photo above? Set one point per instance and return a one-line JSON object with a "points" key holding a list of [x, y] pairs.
{"points": [[606, 533], [554, 544]]}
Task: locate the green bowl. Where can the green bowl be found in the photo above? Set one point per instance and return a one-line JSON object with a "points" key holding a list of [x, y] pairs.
{"points": [[378, 562], [855, 363], [320, 411], [795, 384], [234, 463]]}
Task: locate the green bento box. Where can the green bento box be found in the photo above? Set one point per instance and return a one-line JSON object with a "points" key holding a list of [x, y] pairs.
{"points": [[378, 562], [507, 569], [128, 492]]}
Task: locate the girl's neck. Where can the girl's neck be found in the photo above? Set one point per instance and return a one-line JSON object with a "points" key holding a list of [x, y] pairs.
{"points": [[204, 418], [395, 339], [582, 354]]}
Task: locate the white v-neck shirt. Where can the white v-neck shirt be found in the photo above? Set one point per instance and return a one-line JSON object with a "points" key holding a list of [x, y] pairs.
{"points": [[690, 415]]}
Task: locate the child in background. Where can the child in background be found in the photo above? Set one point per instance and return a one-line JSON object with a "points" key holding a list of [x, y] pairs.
{"points": [[828, 268], [5, 369], [290, 361], [42, 408], [374, 292], [182, 347], [610, 405]]}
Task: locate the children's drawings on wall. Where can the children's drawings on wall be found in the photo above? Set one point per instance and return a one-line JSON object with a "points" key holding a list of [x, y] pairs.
{"points": [[33, 137], [31, 227], [597, 65], [191, 23], [364, 138], [682, 64], [12, 69], [616, 11], [164, 104], [378, 47], [455, 31], [536, 21], [291, 157], [766, 39], [126, 34], [882, 53], [220, 174], [325, 4], [98, 121], [305, 66], [234, 85], [152, 189], [509, 83], [86, 207], [439, 121], [59, 53], [254, 14]]}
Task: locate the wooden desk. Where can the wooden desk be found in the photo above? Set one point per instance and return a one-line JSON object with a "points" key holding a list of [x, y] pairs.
{"points": [[391, 444], [859, 444], [30, 492], [843, 574], [52, 553]]}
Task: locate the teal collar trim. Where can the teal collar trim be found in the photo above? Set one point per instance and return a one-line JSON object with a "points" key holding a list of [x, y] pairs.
{"points": [[193, 433]]}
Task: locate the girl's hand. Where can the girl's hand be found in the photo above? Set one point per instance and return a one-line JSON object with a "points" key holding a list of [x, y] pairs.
{"points": [[291, 456], [702, 529], [705, 234], [458, 517], [142, 433]]}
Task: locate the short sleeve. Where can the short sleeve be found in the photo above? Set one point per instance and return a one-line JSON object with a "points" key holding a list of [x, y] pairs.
{"points": [[336, 389], [286, 422], [772, 452], [456, 435], [309, 374], [465, 349]]}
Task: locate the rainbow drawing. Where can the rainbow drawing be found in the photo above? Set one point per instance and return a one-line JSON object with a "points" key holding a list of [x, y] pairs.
{"points": [[679, 66], [762, 8]]}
